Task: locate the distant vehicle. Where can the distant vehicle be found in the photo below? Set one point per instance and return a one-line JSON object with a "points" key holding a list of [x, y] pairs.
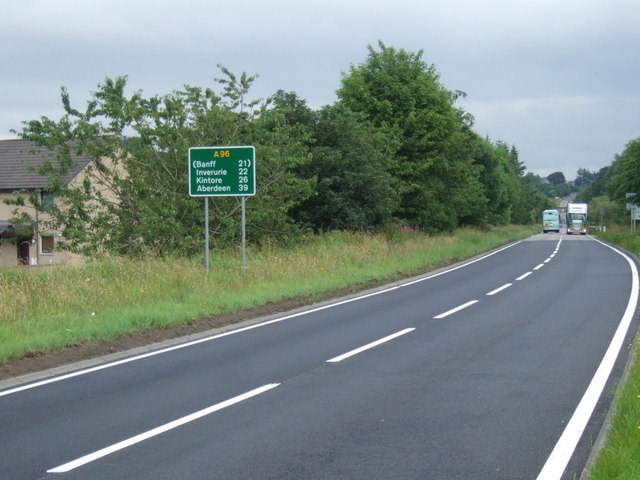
{"points": [[550, 221], [577, 218]]}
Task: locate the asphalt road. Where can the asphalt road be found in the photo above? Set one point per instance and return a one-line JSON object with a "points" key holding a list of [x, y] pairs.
{"points": [[490, 370]]}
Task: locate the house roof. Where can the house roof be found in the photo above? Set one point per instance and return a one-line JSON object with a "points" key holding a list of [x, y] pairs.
{"points": [[19, 158]]}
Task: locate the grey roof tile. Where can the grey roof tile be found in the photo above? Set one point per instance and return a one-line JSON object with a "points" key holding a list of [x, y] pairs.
{"points": [[18, 158]]}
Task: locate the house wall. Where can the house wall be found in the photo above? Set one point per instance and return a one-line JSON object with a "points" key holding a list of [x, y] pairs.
{"points": [[6, 211], [33, 246], [38, 256], [9, 247], [8, 254]]}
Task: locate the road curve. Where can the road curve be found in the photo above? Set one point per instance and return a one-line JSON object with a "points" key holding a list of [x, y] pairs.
{"points": [[499, 368]]}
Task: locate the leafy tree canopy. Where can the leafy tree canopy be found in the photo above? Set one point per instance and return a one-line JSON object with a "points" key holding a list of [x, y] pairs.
{"points": [[557, 178], [141, 202], [351, 164], [625, 172], [397, 90]]}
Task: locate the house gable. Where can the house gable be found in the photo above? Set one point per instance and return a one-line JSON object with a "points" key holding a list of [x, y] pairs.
{"points": [[19, 160]]}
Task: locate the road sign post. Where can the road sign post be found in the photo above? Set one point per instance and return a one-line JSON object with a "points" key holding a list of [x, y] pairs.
{"points": [[632, 207], [222, 171]]}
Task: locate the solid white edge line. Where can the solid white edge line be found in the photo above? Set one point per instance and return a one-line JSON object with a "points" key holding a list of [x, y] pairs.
{"points": [[497, 290], [369, 345], [239, 330], [457, 309], [566, 445], [158, 430], [522, 277]]}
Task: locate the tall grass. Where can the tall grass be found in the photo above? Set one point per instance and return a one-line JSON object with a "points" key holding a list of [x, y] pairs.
{"points": [[52, 307]]}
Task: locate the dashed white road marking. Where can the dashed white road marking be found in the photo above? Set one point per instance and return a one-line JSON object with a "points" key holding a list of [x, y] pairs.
{"points": [[497, 290], [457, 309], [369, 345], [67, 467]]}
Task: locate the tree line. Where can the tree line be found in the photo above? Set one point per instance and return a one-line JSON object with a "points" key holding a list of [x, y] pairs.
{"points": [[607, 191], [393, 150]]}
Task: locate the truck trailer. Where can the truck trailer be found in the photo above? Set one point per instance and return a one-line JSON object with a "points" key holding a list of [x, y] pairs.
{"points": [[577, 218]]}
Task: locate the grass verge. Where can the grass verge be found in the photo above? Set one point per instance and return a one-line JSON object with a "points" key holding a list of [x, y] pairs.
{"points": [[49, 308]]}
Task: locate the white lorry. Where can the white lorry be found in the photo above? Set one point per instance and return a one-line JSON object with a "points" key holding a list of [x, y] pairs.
{"points": [[577, 218]]}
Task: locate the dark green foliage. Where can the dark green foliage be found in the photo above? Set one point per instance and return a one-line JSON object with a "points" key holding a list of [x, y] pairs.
{"points": [[351, 165], [625, 172], [556, 178], [281, 151], [557, 185], [606, 191], [528, 208], [604, 211], [584, 178], [444, 174], [518, 166], [597, 187]]}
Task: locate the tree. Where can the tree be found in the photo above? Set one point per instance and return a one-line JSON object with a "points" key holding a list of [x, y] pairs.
{"points": [[596, 188], [584, 177], [556, 178], [148, 139], [501, 179], [514, 158], [533, 199], [351, 165], [625, 172], [604, 211], [284, 150], [397, 90]]}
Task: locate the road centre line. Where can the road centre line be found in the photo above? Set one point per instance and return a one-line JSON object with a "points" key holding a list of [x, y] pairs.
{"points": [[522, 277], [369, 345], [180, 346], [67, 467], [497, 290], [457, 309]]}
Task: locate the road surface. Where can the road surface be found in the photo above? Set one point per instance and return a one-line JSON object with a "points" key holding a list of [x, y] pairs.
{"points": [[498, 368]]}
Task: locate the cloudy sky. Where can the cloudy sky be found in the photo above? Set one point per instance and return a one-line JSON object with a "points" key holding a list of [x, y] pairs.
{"points": [[559, 79]]}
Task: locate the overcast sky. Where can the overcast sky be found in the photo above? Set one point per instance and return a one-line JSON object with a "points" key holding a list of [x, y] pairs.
{"points": [[559, 79]]}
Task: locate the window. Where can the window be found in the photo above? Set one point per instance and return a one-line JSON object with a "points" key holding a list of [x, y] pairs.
{"points": [[47, 201], [47, 244]]}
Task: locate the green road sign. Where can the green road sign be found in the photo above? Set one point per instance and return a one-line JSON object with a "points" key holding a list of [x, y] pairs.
{"points": [[222, 171]]}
